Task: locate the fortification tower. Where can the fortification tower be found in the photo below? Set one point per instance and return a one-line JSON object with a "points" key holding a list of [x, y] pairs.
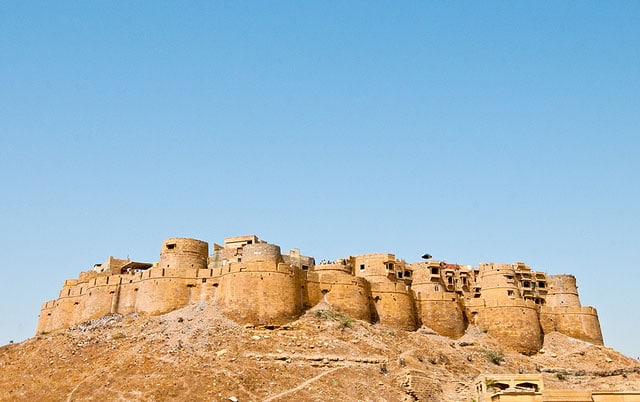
{"points": [[259, 288], [502, 312], [335, 284], [563, 312], [392, 301], [66, 309], [438, 307], [562, 291], [168, 286]]}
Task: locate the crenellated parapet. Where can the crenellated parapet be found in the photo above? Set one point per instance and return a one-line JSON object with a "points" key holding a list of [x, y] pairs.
{"points": [[253, 282]]}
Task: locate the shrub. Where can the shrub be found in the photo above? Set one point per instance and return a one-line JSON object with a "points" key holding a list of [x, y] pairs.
{"points": [[495, 357], [344, 320]]}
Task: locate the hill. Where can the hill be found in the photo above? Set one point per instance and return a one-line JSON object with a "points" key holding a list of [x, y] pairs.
{"points": [[196, 354]]}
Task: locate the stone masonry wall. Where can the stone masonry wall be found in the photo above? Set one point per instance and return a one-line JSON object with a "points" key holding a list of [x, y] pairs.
{"points": [[251, 282]]}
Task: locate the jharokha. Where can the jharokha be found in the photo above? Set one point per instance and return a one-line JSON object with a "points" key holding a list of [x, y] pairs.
{"points": [[253, 282]]}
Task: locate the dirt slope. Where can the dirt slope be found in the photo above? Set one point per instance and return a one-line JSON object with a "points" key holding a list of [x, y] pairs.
{"points": [[197, 355]]}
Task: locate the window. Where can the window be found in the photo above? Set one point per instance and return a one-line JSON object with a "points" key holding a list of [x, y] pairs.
{"points": [[510, 293], [399, 274], [407, 274], [541, 284], [361, 267], [171, 246], [204, 280], [450, 280], [436, 288], [434, 271], [305, 267]]}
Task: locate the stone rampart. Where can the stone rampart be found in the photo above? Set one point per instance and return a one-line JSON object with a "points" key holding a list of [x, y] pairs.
{"points": [[334, 284], [437, 308], [393, 305], [514, 322], [574, 321], [256, 293], [251, 282]]}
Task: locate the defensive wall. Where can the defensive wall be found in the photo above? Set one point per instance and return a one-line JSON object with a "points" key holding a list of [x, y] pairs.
{"points": [[254, 282]]}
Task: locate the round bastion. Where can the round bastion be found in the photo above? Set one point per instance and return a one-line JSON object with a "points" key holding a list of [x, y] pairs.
{"points": [[180, 252]]}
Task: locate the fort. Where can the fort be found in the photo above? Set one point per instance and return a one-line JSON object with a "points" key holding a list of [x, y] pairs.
{"points": [[253, 282]]}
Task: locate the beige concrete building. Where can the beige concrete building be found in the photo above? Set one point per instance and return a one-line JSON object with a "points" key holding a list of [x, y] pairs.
{"points": [[252, 281], [530, 388]]}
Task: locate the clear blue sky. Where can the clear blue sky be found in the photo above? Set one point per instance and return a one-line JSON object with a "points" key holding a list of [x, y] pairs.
{"points": [[493, 131]]}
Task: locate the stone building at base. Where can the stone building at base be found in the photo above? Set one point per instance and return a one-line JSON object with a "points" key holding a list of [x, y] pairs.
{"points": [[530, 388]]}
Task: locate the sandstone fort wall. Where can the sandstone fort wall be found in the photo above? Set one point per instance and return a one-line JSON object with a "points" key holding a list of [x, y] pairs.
{"points": [[335, 284], [253, 282]]}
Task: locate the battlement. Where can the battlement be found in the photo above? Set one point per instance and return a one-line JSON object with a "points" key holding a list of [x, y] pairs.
{"points": [[252, 282]]}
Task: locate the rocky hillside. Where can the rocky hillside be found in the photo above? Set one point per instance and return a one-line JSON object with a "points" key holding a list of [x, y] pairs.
{"points": [[196, 354]]}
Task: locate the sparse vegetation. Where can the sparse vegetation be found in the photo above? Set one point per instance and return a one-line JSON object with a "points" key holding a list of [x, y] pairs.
{"points": [[495, 357], [344, 320], [561, 376]]}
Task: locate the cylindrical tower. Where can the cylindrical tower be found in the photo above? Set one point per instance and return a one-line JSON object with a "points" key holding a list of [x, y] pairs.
{"points": [[505, 314], [562, 291], [435, 307], [393, 305], [259, 288], [184, 253], [167, 287], [344, 292], [264, 253], [562, 311], [44, 320]]}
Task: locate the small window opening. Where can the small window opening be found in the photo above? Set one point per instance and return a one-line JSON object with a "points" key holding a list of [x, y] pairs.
{"points": [[407, 274], [171, 246], [361, 267], [436, 288], [305, 267], [450, 280], [399, 274], [250, 242], [204, 280], [509, 292], [541, 284], [434, 271]]}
